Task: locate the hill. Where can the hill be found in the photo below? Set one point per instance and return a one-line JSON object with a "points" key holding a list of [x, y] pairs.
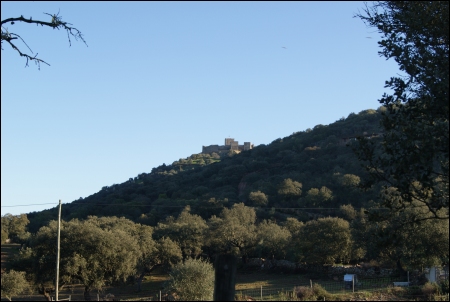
{"points": [[306, 174]]}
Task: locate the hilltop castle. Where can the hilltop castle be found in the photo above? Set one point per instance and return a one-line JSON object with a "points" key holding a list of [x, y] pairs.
{"points": [[230, 144]]}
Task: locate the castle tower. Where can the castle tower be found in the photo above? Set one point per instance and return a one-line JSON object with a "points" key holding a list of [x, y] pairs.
{"points": [[248, 146], [234, 145], [228, 141]]}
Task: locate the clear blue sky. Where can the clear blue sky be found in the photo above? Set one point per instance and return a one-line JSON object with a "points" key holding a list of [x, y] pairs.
{"points": [[161, 79]]}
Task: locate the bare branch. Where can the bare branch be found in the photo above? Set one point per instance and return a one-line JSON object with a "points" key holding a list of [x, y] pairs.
{"points": [[56, 22], [22, 40], [28, 57]]}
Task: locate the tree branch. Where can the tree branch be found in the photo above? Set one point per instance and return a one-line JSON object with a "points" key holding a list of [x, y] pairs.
{"points": [[28, 57], [56, 22]]}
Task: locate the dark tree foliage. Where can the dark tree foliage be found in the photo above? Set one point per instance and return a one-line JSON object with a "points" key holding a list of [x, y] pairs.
{"points": [[413, 155], [13, 284], [14, 227], [325, 241], [405, 246], [94, 252], [56, 22]]}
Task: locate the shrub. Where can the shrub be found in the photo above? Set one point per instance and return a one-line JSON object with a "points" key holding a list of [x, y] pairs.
{"points": [[303, 292], [317, 292], [320, 293], [430, 289], [193, 280]]}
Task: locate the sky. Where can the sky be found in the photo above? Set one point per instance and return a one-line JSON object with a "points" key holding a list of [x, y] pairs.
{"points": [[159, 80]]}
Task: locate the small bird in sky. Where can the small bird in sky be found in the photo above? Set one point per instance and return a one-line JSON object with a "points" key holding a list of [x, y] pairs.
{"points": [[369, 37], [283, 47]]}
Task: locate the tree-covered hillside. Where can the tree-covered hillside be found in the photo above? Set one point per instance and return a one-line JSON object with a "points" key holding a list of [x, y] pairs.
{"points": [[296, 199], [312, 171]]}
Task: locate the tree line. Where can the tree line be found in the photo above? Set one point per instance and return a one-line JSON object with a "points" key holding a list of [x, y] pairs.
{"points": [[101, 251]]}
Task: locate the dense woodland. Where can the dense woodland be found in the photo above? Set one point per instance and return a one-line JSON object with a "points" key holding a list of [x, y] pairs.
{"points": [[299, 198]]}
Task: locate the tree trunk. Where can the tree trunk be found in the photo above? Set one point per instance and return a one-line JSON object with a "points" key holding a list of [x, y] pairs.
{"points": [[139, 281], [42, 291], [142, 275], [400, 269], [87, 295], [225, 278]]}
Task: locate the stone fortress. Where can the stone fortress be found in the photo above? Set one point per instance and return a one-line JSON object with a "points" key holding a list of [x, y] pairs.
{"points": [[230, 144]]}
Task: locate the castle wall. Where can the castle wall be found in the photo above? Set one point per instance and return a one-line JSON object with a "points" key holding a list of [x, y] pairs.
{"points": [[210, 149], [224, 148], [230, 144]]}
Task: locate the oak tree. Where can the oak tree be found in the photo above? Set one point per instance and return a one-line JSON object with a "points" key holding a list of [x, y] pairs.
{"points": [[14, 283], [94, 252], [258, 198], [325, 241], [273, 240], [187, 231], [234, 231], [414, 152], [15, 227], [290, 187]]}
